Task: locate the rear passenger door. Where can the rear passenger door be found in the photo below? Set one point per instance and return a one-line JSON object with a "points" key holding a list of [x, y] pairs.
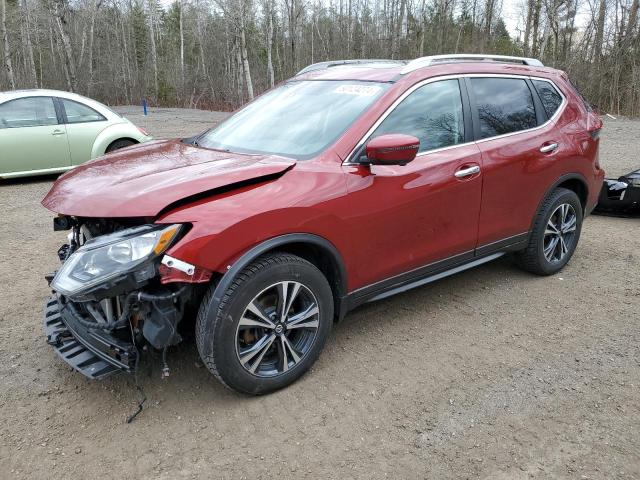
{"points": [[520, 148]]}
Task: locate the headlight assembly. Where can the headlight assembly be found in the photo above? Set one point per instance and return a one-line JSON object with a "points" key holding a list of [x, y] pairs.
{"points": [[111, 255]]}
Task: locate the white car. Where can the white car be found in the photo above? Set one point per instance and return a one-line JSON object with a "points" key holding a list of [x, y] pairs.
{"points": [[49, 131]]}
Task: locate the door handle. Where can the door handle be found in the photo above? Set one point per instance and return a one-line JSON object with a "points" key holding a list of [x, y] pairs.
{"points": [[465, 172], [549, 147], [57, 132]]}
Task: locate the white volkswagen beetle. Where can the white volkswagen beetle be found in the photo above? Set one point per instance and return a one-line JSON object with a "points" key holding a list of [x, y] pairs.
{"points": [[49, 131]]}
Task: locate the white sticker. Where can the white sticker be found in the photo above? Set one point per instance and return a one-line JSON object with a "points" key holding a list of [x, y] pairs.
{"points": [[360, 90]]}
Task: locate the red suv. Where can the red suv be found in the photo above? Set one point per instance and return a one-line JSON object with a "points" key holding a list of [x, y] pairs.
{"points": [[353, 181]]}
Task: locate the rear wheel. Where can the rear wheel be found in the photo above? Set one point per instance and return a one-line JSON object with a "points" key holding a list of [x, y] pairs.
{"points": [[118, 144], [270, 326], [555, 234]]}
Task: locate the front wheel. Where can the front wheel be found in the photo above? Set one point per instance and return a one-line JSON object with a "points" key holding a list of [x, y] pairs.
{"points": [[270, 326], [555, 234]]}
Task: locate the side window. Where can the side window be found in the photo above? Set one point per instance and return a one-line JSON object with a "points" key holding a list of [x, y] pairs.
{"points": [[505, 105], [551, 99], [28, 112], [432, 113], [79, 113]]}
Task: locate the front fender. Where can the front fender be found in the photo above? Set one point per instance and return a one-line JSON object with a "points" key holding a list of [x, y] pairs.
{"points": [[115, 132], [226, 226]]}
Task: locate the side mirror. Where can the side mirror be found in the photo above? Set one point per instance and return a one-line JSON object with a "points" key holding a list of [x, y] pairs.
{"points": [[392, 149]]}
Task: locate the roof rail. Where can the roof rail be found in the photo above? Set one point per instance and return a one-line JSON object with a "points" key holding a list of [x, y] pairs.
{"points": [[337, 63], [467, 57]]}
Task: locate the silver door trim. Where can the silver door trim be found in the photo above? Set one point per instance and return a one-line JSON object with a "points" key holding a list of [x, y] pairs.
{"points": [[349, 161]]}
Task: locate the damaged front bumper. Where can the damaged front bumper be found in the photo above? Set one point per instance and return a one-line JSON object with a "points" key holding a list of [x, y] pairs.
{"points": [[117, 293], [92, 352]]}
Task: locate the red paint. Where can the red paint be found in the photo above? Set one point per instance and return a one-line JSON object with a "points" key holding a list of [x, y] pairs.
{"points": [[172, 275], [392, 149], [383, 219], [143, 180]]}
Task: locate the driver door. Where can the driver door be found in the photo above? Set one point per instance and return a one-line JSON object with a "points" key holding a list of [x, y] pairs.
{"points": [[31, 137], [423, 214]]}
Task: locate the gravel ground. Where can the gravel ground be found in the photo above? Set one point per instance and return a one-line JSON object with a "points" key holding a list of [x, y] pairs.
{"points": [[492, 373]]}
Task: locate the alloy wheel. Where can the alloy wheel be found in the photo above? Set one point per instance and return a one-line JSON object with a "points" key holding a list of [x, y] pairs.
{"points": [[277, 329], [559, 235]]}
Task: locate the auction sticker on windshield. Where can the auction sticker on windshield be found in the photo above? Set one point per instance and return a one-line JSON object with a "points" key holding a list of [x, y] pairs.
{"points": [[360, 90]]}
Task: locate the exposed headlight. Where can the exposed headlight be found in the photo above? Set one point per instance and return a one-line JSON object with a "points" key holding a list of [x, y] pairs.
{"points": [[111, 255]]}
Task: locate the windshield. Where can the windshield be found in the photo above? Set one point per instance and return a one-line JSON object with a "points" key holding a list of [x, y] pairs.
{"points": [[298, 119]]}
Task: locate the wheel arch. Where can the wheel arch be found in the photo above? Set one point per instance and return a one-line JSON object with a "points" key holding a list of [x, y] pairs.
{"points": [[113, 133], [578, 185], [118, 139], [313, 248], [571, 181]]}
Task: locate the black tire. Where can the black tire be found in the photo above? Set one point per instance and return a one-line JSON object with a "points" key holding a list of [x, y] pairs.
{"points": [[118, 144], [219, 336], [539, 257]]}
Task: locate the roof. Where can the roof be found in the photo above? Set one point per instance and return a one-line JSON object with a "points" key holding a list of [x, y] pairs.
{"points": [[393, 70], [38, 92], [372, 72]]}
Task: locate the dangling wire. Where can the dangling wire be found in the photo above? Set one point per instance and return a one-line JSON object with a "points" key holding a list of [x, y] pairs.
{"points": [[141, 395]]}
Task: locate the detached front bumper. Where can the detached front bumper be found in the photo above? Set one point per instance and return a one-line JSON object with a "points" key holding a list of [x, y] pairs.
{"points": [[94, 353]]}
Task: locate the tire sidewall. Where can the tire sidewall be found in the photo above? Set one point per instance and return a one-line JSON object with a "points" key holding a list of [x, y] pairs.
{"points": [[564, 196], [119, 144], [223, 341]]}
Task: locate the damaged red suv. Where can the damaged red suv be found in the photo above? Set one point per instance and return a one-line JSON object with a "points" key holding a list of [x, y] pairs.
{"points": [[352, 181]]}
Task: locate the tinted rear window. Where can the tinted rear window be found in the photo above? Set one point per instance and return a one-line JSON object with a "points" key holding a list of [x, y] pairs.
{"points": [[505, 105], [549, 96]]}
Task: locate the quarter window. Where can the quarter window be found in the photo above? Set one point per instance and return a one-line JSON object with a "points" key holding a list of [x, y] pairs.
{"points": [[551, 99], [432, 113], [28, 112], [505, 105], [79, 113]]}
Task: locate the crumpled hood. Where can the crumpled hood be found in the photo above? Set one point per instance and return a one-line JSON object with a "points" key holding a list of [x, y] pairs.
{"points": [[141, 181]]}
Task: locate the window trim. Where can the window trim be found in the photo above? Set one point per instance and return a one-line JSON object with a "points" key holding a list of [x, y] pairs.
{"points": [[55, 109], [538, 109], [63, 111], [534, 95], [463, 98], [468, 107], [555, 87]]}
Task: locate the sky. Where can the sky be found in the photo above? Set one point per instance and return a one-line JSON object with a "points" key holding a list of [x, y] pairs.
{"points": [[514, 16]]}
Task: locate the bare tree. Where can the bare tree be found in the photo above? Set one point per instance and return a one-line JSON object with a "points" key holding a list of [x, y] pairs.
{"points": [[58, 10], [220, 53], [30, 64], [154, 51], [7, 50]]}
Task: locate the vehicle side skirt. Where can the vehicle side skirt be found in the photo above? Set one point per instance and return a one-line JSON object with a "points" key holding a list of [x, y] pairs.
{"points": [[434, 271]]}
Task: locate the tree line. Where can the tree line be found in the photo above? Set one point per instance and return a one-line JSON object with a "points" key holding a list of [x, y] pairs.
{"points": [[219, 54]]}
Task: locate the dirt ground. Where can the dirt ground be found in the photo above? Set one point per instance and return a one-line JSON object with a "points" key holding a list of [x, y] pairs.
{"points": [[492, 373]]}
